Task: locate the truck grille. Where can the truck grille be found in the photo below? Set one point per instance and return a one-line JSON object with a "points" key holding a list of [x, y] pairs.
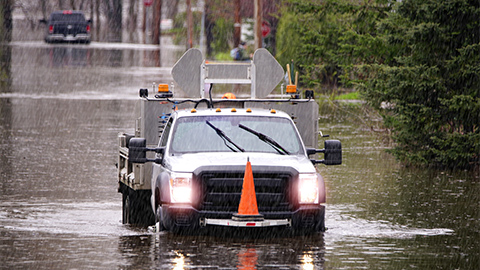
{"points": [[221, 191]]}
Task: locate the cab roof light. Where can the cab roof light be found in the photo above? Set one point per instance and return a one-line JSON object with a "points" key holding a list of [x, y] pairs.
{"points": [[162, 88], [193, 110], [234, 110], [249, 110], [67, 12], [291, 89], [218, 110], [273, 111]]}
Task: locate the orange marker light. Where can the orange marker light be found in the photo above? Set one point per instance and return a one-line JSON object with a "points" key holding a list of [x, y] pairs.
{"points": [[229, 96], [291, 89], [162, 88]]}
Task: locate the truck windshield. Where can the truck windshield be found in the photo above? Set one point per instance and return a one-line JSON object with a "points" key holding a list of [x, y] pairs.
{"points": [[194, 135], [58, 17]]}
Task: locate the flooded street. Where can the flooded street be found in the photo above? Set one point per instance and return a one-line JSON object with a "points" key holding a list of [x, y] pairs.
{"points": [[59, 206]]}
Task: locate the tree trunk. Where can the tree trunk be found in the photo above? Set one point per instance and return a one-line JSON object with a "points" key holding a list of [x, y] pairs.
{"points": [[5, 50], [114, 20], [132, 16], [208, 28], [43, 6], [6, 9], [258, 24], [157, 19], [171, 8], [237, 34], [189, 25], [97, 19]]}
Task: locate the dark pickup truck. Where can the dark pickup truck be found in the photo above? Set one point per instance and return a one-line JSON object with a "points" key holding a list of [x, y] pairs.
{"points": [[67, 26]]}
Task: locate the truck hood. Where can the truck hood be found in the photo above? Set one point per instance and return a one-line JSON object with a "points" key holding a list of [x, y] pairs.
{"points": [[190, 162]]}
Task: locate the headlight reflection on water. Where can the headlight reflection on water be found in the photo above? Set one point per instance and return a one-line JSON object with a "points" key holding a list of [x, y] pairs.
{"points": [[179, 261], [307, 261]]}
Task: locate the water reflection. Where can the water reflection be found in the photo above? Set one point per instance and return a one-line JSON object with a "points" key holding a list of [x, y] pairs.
{"points": [[179, 261], [68, 56], [247, 259], [307, 261], [96, 71], [166, 250]]}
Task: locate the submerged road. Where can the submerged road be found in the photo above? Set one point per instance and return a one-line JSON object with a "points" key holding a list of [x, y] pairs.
{"points": [[59, 206]]}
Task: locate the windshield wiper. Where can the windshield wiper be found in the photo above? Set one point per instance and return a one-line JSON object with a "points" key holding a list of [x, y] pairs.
{"points": [[267, 140], [225, 138]]}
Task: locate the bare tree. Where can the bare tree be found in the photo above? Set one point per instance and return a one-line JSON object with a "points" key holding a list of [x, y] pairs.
{"points": [[132, 15], [171, 7], [6, 9], [113, 12]]}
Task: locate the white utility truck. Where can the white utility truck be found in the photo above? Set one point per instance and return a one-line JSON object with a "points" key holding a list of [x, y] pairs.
{"points": [[184, 169]]}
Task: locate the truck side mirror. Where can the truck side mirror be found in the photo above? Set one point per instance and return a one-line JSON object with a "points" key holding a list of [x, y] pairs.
{"points": [[137, 150], [333, 152]]}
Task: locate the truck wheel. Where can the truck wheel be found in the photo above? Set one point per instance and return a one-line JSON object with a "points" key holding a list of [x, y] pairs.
{"points": [[136, 208], [158, 219], [321, 225]]}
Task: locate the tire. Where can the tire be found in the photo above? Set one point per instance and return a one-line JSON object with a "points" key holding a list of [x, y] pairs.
{"points": [[321, 225], [136, 208], [159, 220], [309, 222], [125, 208]]}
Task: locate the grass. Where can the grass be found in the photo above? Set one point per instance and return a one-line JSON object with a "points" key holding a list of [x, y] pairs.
{"points": [[223, 56], [349, 96]]}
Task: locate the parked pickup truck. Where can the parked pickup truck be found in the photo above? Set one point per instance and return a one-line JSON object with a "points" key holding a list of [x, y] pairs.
{"points": [[188, 164], [67, 26]]}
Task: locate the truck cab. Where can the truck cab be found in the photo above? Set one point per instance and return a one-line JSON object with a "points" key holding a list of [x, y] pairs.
{"points": [[197, 160]]}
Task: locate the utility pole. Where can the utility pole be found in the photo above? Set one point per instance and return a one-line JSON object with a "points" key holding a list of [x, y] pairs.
{"points": [[258, 23], [238, 25]]}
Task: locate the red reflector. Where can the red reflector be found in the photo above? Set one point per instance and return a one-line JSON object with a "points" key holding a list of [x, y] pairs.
{"points": [[50, 29], [251, 224], [88, 28]]}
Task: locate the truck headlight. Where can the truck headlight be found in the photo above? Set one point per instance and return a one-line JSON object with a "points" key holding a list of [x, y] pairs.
{"points": [[181, 187], [308, 188]]}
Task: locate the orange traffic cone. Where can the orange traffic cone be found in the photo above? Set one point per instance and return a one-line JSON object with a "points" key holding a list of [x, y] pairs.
{"points": [[247, 209]]}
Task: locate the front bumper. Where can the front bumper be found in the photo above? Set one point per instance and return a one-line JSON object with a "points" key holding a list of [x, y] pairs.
{"points": [[187, 217]]}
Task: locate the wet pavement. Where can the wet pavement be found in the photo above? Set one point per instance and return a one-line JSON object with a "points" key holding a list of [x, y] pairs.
{"points": [[59, 206]]}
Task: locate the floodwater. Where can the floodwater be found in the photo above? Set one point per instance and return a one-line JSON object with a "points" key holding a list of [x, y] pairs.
{"points": [[59, 207]]}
